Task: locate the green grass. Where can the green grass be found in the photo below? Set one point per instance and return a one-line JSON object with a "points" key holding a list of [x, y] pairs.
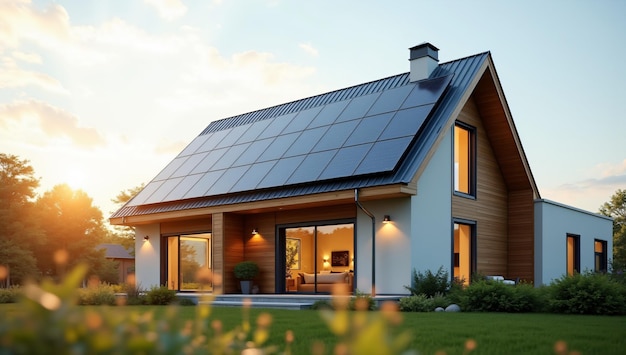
{"points": [[494, 333]]}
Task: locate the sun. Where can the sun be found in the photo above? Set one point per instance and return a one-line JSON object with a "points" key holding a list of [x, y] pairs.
{"points": [[76, 179]]}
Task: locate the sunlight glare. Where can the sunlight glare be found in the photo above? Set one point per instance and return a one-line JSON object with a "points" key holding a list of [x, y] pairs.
{"points": [[76, 179]]}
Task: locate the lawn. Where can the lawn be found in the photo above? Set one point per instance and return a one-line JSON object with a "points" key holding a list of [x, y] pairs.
{"points": [[492, 333]]}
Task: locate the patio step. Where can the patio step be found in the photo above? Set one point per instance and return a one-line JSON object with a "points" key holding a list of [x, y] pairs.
{"points": [[282, 301]]}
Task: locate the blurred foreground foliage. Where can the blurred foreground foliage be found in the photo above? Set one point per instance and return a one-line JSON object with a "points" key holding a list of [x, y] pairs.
{"points": [[49, 320]]}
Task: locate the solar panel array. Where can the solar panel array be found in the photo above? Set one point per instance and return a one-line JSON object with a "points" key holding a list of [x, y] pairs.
{"points": [[363, 135]]}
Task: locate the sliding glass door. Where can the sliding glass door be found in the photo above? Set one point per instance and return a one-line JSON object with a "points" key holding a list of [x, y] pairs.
{"points": [[185, 256], [315, 257]]}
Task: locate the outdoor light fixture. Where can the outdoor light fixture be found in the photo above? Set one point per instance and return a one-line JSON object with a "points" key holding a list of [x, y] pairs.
{"points": [[254, 231], [146, 238], [386, 219]]}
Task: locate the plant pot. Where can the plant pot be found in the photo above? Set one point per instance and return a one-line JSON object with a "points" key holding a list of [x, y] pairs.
{"points": [[246, 286]]}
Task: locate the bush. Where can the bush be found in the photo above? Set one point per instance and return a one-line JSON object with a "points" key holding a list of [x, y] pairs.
{"points": [[100, 294], [416, 303], [9, 295], [587, 293], [494, 296], [429, 284], [135, 296], [361, 302], [160, 296]]}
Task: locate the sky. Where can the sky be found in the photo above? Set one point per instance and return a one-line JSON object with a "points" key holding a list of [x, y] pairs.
{"points": [[103, 94]]}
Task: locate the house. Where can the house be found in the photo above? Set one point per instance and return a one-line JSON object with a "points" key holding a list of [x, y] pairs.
{"points": [[411, 172], [124, 260]]}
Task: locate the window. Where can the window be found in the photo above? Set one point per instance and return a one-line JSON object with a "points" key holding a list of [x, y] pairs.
{"points": [[186, 254], [463, 253], [573, 254], [464, 160], [600, 255], [308, 252]]}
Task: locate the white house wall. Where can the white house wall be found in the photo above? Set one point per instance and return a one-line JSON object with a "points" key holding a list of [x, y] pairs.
{"points": [[147, 255], [431, 227], [553, 222], [393, 246]]}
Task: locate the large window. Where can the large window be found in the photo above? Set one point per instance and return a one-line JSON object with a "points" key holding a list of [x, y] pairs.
{"points": [[464, 160], [600, 255], [186, 255], [463, 252], [314, 257], [573, 254]]}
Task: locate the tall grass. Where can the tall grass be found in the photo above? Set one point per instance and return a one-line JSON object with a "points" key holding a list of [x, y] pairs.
{"points": [[450, 333]]}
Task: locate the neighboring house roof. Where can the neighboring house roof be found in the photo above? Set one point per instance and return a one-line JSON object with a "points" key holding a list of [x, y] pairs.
{"points": [[115, 251], [374, 134]]}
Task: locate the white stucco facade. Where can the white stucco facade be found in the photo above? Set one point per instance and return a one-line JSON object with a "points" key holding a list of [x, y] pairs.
{"points": [[431, 212], [553, 223], [148, 256]]}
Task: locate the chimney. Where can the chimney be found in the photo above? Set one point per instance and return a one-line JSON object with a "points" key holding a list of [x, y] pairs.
{"points": [[424, 59]]}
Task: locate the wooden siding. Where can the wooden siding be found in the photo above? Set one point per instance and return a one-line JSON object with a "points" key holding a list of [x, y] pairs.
{"points": [[228, 249], [521, 235], [514, 199], [199, 225], [261, 248], [489, 209]]}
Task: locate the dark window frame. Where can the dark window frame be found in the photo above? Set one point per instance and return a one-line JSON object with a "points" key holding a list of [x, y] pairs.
{"points": [[472, 164], [280, 286], [164, 254], [602, 265], [576, 256], [473, 247]]}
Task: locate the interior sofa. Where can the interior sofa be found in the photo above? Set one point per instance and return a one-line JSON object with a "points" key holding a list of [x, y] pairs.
{"points": [[305, 282]]}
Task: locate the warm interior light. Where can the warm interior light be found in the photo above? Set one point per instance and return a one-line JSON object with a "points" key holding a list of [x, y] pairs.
{"points": [[254, 231], [146, 238], [386, 219]]}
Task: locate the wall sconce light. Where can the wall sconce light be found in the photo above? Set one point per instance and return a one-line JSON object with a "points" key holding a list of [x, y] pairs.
{"points": [[146, 238], [325, 260], [386, 219], [254, 231]]}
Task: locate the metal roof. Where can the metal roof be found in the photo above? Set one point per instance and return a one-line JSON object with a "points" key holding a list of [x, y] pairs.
{"points": [[115, 251], [461, 72]]}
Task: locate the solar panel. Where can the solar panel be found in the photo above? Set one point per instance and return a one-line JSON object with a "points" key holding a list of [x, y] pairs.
{"points": [[366, 134]]}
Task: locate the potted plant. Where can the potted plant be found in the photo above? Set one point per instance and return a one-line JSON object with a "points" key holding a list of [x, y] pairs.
{"points": [[246, 271]]}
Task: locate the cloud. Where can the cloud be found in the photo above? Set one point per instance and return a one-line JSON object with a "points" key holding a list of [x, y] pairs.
{"points": [[168, 9], [54, 122], [11, 76], [20, 20], [307, 47], [590, 194]]}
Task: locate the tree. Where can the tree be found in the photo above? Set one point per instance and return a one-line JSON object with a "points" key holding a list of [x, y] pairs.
{"points": [[616, 208], [73, 224], [20, 233], [125, 235]]}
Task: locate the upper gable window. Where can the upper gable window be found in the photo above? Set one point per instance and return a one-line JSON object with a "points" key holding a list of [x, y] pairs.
{"points": [[464, 159]]}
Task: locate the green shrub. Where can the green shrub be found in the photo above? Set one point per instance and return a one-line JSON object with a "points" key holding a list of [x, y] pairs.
{"points": [[416, 303], [587, 293], [160, 296], [321, 304], [9, 295], [361, 302], [100, 294], [440, 300], [135, 295], [429, 284], [495, 296]]}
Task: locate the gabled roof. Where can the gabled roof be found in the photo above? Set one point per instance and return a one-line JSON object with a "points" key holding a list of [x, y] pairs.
{"points": [[115, 251], [374, 134]]}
